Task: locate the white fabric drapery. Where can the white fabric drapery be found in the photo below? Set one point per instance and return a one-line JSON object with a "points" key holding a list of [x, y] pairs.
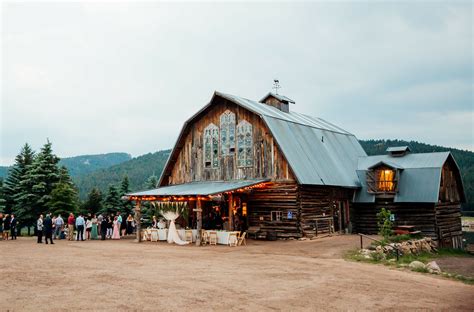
{"points": [[173, 236]]}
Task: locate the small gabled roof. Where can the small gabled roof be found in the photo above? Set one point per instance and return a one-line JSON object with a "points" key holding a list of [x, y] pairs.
{"points": [[398, 149], [386, 163], [318, 152], [279, 97], [419, 181]]}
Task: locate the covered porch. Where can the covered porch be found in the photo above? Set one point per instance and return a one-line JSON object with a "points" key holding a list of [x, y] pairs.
{"points": [[210, 205]]}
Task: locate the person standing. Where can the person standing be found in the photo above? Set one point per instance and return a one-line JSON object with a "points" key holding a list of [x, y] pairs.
{"points": [[129, 224], [88, 227], [116, 233], [59, 225], [80, 227], [110, 227], [6, 226], [103, 228], [70, 226], [48, 229], [100, 217], [94, 233], [39, 229], [13, 224], [1, 225]]}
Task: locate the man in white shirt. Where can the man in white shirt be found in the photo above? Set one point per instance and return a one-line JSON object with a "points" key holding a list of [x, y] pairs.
{"points": [[59, 225]]}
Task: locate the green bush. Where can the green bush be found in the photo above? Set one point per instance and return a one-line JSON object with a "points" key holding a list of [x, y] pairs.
{"points": [[384, 223]]}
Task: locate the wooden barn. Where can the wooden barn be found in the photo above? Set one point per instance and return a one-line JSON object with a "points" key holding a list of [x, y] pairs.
{"points": [[422, 190], [280, 171]]}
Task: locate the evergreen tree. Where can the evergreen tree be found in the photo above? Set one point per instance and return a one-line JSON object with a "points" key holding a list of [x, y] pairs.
{"points": [[151, 182], [2, 197], [12, 186], [37, 185], [127, 206], [112, 202], [93, 204], [64, 195]]}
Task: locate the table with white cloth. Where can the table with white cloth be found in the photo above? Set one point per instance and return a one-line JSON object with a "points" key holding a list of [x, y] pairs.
{"points": [[182, 234], [222, 236]]}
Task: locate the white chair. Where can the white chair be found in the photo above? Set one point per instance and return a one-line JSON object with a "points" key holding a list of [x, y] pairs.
{"points": [[233, 239], [154, 235], [213, 238]]}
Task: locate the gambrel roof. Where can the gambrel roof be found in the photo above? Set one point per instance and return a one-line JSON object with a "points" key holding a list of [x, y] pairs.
{"points": [[318, 152]]}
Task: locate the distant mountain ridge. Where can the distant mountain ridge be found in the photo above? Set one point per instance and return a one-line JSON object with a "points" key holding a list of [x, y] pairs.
{"points": [[84, 164], [138, 170]]}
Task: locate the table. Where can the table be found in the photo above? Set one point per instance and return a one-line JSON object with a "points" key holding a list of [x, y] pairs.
{"points": [[222, 236]]}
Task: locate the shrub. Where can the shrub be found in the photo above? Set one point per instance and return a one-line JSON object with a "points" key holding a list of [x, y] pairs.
{"points": [[384, 223]]}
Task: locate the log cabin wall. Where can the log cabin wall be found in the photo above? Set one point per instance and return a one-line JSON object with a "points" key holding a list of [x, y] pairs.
{"points": [[318, 203], [268, 162], [276, 197], [420, 215], [448, 209]]}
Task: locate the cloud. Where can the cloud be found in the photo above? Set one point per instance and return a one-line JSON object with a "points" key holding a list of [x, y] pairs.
{"points": [[100, 77]]}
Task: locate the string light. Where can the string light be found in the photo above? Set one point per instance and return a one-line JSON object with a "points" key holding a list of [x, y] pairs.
{"points": [[196, 197]]}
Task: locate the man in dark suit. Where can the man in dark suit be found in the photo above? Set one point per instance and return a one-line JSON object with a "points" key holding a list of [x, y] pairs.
{"points": [[13, 224], [103, 228], [48, 228]]}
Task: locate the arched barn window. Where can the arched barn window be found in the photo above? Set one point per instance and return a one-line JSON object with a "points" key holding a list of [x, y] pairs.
{"points": [[227, 133], [211, 146], [244, 144]]}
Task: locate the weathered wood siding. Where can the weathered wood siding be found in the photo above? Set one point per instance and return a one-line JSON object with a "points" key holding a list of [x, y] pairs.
{"points": [[420, 215], [318, 202], [441, 221], [188, 164], [278, 196]]}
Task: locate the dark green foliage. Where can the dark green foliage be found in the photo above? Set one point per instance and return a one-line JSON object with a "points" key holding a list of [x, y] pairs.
{"points": [[2, 197], [112, 202], [84, 164], [384, 223], [37, 185], [137, 170], [127, 206], [464, 159], [93, 204], [151, 182], [63, 196], [16, 190]]}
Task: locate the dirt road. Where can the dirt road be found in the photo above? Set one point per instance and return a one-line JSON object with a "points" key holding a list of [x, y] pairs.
{"points": [[283, 275]]}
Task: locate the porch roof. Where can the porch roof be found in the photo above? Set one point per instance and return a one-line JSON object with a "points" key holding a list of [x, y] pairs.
{"points": [[200, 188]]}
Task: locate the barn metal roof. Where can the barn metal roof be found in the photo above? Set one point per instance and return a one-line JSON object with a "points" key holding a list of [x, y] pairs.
{"points": [[199, 188], [318, 152], [419, 181]]}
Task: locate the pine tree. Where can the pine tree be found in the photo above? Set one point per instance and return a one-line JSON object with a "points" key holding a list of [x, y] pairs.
{"points": [[127, 206], [64, 195], [2, 197], [112, 202], [93, 204], [12, 185], [152, 182], [37, 185]]}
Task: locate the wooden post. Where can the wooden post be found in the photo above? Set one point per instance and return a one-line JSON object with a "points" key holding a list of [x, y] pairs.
{"points": [[231, 219], [199, 219], [138, 216], [339, 204]]}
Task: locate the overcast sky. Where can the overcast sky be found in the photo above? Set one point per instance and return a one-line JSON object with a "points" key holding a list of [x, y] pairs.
{"points": [[123, 76]]}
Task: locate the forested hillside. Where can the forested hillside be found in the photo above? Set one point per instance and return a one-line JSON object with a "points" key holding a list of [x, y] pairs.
{"points": [[84, 164], [137, 169], [464, 159]]}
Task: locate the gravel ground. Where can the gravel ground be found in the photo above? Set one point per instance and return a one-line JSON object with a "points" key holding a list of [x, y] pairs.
{"points": [[283, 275]]}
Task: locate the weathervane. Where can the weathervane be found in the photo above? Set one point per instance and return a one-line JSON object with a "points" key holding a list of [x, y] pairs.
{"points": [[276, 85]]}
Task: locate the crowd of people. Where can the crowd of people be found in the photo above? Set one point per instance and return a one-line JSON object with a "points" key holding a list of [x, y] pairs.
{"points": [[84, 227], [8, 225]]}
